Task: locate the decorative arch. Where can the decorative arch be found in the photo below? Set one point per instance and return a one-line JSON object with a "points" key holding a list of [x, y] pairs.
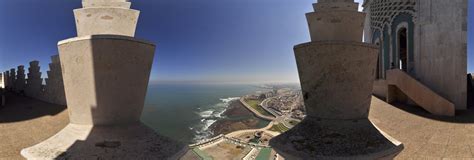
{"points": [[399, 23]]}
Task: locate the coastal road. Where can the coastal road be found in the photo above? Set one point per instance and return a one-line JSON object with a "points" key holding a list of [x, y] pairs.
{"points": [[258, 114]]}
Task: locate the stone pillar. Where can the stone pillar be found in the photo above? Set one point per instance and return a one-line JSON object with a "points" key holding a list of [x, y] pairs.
{"points": [[336, 72], [34, 81], [2, 82], [20, 80], [54, 89], [12, 79], [106, 72], [6, 77]]}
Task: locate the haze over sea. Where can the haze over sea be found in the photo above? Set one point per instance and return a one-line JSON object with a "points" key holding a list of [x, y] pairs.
{"points": [[185, 111]]}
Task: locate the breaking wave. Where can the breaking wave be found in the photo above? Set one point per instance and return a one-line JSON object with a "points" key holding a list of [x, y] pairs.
{"points": [[209, 115]]}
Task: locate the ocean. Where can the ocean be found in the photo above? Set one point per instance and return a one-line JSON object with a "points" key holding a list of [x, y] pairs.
{"points": [[184, 112]]}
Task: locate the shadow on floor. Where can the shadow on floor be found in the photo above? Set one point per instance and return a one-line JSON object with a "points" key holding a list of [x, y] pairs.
{"points": [[20, 108], [462, 116]]}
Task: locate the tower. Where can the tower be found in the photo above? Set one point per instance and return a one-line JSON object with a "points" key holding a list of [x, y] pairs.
{"points": [[336, 72], [105, 72]]}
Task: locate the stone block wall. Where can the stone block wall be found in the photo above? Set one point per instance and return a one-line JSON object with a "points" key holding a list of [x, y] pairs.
{"points": [[32, 86], [441, 48]]}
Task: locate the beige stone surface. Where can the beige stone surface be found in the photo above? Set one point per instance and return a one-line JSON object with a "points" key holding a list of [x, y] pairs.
{"points": [[405, 123], [419, 93], [441, 55], [336, 21], [336, 78], [25, 122], [341, 5], [34, 81], [106, 3], [133, 141], [105, 73], [426, 136], [105, 78], [336, 72], [106, 20], [380, 88], [54, 88], [336, 25]]}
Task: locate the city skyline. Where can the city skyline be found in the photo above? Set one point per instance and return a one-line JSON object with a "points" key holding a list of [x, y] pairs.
{"points": [[197, 42]]}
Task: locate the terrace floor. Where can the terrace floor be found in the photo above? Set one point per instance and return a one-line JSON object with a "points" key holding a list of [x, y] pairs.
{"points": [[25, 122], [426, 136]]}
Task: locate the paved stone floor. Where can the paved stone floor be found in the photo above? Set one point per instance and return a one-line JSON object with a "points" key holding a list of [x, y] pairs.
{"points": [[25, 122], [426, 136]]}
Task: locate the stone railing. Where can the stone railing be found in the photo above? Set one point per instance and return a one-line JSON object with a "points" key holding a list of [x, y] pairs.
{"points": [[32, 85]]}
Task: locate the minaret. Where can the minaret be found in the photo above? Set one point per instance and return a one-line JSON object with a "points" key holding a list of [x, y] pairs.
{"points": [[336, 73], [105, 72]]}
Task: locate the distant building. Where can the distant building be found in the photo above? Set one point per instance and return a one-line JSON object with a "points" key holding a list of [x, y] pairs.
{"points": [[427, 40]]}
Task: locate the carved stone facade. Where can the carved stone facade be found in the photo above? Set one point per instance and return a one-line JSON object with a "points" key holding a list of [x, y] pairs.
{"points": [[424, 38]]}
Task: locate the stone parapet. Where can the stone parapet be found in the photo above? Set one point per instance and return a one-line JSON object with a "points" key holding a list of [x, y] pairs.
{"points": [[52, 91]]}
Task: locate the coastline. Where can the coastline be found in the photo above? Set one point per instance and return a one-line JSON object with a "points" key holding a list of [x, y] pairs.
{"points": [[237, 117]]}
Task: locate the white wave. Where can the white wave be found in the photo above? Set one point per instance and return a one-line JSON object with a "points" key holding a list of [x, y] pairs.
{"points": [[206, 114], [227, 100], [210, 116], [219, 114], [208, 123]]}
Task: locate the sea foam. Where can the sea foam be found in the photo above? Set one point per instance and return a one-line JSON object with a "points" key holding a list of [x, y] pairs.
{"points": [[209, 116]]}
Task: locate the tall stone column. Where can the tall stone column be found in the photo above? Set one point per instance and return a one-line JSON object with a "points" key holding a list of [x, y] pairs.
{"points": [[34, 81], [336, 72], [20, 80], [105, 72], [6, 79], [54, 89], [12, 79]]}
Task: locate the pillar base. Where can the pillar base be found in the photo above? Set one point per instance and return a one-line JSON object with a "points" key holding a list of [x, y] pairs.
{"points": [[135, 141], [336, 139]]}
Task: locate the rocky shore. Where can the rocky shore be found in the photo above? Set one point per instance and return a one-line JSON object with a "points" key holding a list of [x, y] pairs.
{"points": [[237, 118]]}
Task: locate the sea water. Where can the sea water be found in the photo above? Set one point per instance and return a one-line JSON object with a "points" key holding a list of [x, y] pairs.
{"points": [[184, 112]]}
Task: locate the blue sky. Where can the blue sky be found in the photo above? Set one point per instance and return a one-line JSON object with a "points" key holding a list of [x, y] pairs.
{"points": [[197, 41]]}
